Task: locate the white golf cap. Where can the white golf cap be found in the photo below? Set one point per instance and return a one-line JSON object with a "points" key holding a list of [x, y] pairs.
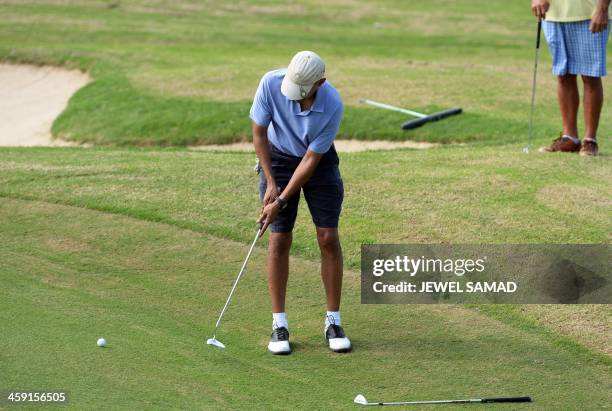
{"points": [[305, 69]]}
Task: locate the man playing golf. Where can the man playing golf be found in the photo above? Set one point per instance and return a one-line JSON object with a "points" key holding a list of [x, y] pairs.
{"points": [[577, 35], [295, 117]]}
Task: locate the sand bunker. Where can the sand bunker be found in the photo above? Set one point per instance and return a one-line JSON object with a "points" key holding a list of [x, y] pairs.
{"points": [[345, 146], [30, 99]]}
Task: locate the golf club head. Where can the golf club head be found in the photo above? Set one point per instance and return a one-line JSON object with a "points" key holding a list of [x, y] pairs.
{"points": [[215, 343], [360, 399], [526, 150]]}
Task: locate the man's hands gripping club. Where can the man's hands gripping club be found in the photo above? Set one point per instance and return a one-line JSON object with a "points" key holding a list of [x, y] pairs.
{"points": [[302, 174], [271, 205], [268, 214], [539, 8]]}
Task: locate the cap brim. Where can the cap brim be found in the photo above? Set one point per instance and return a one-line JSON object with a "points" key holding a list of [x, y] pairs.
{"points": [[292, 91]]}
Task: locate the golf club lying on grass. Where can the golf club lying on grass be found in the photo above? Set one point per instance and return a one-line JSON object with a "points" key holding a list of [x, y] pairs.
{"points": [[360, 399], [533, 86], [422, 118], [213, 341]]}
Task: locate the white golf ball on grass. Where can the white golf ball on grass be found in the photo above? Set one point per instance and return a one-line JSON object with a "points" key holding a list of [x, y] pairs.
{"points": [[101, 342]]}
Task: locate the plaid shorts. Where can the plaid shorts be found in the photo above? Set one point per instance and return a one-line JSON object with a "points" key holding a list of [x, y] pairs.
{"points": [[575, 50]]}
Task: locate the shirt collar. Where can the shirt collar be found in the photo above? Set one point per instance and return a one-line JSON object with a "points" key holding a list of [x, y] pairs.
{"points": [[318, 105]]}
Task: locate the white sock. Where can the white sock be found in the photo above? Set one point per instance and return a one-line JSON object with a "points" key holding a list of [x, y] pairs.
{"points": [[332, 317], [279, 320]]}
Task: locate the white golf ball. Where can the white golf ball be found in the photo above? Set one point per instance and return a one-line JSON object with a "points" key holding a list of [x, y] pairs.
{"points": [[101, 342]]}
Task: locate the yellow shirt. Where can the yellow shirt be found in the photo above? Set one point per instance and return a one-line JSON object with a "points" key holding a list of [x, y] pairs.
{"points": [[571, 10]]}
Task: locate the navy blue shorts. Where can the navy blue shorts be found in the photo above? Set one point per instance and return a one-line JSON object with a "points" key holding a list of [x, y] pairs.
{"points": [[324, 191]]}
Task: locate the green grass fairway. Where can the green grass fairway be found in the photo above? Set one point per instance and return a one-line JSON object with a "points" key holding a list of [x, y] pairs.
{"points": [[184, 72], [141, 247], [138, 239]]}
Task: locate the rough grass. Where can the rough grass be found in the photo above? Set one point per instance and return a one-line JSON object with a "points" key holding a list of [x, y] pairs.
{"points": [[184, 72]]}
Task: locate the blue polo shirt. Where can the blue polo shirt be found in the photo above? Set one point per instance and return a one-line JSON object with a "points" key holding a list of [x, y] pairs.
{"points": [[290, 129]]}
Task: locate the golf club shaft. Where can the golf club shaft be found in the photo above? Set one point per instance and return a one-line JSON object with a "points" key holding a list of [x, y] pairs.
{"points": [[393, 108], [426, 402], [533, 86], [229, 297], [467, 401]]}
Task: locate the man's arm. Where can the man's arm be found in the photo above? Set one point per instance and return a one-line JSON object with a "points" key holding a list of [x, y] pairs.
{"points": [[260, 141], [539, 8], [600, 19], [301, 175]]}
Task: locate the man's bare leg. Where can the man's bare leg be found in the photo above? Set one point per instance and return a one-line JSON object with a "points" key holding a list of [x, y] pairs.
{"points": [[278, 269], [331, 265], [593, 102], [569, 100], [331, 274], [278, 272]]}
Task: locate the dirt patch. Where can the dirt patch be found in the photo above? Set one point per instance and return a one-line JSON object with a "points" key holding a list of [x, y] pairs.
{"points": [[65, 245], [32, 97], [343, 146]]}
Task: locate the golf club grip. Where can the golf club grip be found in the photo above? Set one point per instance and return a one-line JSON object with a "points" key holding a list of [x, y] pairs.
{"points": [[539, 33], [507, 399], [432, 117]]}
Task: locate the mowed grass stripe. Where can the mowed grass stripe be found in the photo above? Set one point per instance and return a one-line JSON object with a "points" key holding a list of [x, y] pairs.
{"points": [[467, 195], [156, 315]]}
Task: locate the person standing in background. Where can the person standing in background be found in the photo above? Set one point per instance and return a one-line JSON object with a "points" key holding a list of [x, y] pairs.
{"points": [[577, 34]]}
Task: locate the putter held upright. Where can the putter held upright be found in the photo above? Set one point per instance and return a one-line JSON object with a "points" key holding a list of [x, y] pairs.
{"points": [[533, 87], [213, 341]]}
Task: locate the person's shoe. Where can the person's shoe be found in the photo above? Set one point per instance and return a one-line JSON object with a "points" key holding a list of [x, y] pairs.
{"points": [[562, 144], [589, 148], [279, 342], [336, 339]]}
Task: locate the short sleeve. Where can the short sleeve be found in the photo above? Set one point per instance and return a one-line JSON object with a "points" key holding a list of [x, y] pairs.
{"points": [[325, 139], [261, 112]]}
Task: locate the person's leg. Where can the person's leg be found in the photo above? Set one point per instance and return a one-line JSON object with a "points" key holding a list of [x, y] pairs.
{"points": [[331, 265], [278, 269], [279, 245], [591, 64], [558, 39], [593, 102], [331, 274], [324, 194], [569, 100]]}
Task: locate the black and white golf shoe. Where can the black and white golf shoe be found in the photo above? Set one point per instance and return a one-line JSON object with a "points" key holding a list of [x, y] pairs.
{"points": [[279, 342], [336, 339]]}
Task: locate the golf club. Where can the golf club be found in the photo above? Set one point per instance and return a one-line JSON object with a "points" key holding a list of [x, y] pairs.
{"points": [[213, 341], [533, 86], [360, 399], [422, 118]]}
